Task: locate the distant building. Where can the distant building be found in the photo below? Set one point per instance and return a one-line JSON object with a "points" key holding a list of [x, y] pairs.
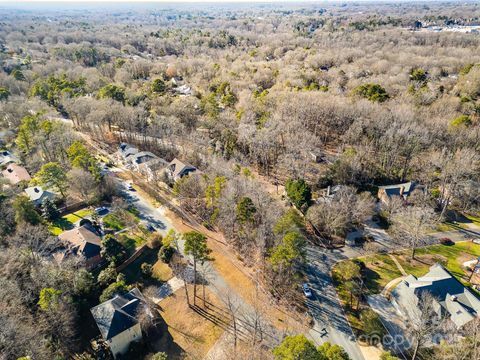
{"points": [[126, 150], [37, 195], [452, 299], [385, 193], [6, 157], [329, 192], [82, 241], [176, 169], [152, 169], [142, 157], [16, 173], [117, 320]]}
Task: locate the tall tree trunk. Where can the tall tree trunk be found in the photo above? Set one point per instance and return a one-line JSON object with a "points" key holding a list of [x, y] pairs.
{"points": [[414, 356], [194, 281], [186, 290]]}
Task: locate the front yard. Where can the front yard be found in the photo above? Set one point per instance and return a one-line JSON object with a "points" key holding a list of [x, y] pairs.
{"points": [[380, 269]]}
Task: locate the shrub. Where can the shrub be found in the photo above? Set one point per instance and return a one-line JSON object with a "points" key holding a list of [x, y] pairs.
{"points": [[165, 254], [372, 92], [462, 120], [371, 323], [116, 288], [147, 269], [299, 192]]}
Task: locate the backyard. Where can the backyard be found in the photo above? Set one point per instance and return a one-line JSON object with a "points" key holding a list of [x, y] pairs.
{"points": [[67, 222]]}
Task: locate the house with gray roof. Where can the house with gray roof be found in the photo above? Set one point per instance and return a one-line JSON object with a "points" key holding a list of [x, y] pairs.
{"points": [[117, 320], [452, 300], [126, 150], [176, 169], [142, 157], [385, 193]]}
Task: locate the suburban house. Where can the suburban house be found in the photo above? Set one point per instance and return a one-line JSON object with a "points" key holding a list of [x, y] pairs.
{"points": [[37, 195], [16, 173], [176, 169], [117, 320], [6, 157], [126, 150], [452, 299], [152, 169], [385, 193], [328, 193], [141, 157], [82, 241]]}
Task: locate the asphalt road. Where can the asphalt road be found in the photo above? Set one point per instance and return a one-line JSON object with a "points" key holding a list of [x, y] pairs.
{"points": [[216, 282], [330, 323]]}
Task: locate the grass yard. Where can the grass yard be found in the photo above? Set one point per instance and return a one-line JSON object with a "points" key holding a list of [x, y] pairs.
{"points": [[451, 256], [473, 219], [162, 271], [380, 270], [66, 222], [131, 240], [195, 332], [118, 219]]}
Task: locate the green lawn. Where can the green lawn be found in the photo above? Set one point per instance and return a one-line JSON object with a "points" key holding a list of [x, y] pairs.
{"points": [[66, 222], [474, 219], [131, 241], [380, 270], [451, 256], [117, 220]]}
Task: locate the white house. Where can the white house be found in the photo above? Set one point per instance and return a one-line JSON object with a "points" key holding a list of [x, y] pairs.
{"points": [[37, 195]]}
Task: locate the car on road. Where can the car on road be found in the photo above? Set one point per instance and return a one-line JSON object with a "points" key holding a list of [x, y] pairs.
{"points": [[306, 290], [130, 187], [446, 241], [101, 210], [150, 227]]}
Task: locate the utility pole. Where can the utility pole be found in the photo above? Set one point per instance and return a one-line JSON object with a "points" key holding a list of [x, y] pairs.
{"points": [[474, 268]]}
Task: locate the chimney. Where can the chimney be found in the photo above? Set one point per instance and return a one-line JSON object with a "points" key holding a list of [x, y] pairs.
{"points": [[453, 298]]}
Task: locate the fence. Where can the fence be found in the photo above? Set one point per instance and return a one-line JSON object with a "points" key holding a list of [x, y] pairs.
{"points": [[132, 258]]}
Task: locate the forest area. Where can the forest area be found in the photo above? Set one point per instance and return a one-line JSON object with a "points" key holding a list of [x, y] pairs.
{"points": [[273, 103]]}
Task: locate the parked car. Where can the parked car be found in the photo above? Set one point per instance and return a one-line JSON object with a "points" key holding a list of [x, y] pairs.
{"points": [[101, 210], [150, 227], [476, 240], [446, 241], [130, 187], [306, 290]]}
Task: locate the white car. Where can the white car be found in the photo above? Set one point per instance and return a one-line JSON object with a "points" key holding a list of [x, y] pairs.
{"points": [[306, 290]]}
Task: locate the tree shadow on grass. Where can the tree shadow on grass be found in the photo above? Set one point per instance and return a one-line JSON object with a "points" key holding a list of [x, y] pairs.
{"points": [[63, 224], [159, 339], [372, 280]]}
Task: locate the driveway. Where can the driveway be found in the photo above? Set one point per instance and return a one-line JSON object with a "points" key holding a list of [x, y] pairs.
{"points": [[330, 323], [393, 323], [147, 212]]}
